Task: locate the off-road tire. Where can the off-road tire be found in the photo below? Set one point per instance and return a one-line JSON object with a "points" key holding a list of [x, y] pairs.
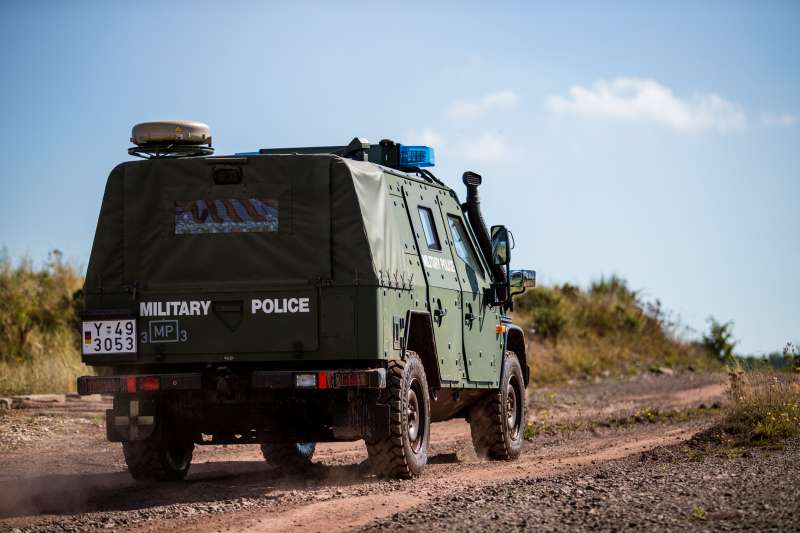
{"points": [[157, 458], [497, 421], [290, 455], [404, 452]]}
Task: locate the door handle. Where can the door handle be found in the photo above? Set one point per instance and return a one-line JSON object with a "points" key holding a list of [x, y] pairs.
{"points": [[468, 318], [440, 313]]}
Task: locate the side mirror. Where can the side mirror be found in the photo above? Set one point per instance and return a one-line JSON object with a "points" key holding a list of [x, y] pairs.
{"points": [[521, 280], [501, 248]]}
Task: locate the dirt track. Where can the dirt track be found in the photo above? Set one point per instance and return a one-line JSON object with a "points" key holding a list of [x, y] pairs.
{"points": [[62, 475]]}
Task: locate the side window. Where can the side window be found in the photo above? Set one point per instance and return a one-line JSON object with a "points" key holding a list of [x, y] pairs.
{"points": [[462, 243], [429, 227]]}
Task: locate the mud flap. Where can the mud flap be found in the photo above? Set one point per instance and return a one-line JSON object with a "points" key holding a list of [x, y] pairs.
{"points": [[132, 418], [377, 426], [363, 418]]}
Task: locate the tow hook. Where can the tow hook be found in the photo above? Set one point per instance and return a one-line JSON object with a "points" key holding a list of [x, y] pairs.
{"points": [[226, 383]]}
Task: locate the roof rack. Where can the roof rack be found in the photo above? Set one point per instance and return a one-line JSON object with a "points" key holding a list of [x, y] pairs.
{"points": [[387, 153]]}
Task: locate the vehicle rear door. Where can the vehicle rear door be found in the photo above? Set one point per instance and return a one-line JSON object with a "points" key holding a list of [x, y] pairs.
{"points": [[227, 254]]}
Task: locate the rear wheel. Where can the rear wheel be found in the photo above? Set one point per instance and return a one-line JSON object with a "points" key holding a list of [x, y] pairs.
{"points": [[497, 421], [404, 452], [158, 457], [291, 455]]}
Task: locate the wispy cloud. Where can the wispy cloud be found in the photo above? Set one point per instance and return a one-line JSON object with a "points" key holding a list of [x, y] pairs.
{"points": [[786, 120], [487, 147], [469, 109], [639, 99]]}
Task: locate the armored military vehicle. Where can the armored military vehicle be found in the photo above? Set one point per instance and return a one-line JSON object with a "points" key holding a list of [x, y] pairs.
{"points": [[287, 297]]}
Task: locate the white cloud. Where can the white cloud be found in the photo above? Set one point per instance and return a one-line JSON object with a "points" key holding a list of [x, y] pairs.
{"points": [[427, 137], [487, 147], [468, 109], [786, 120], [648, 100]]}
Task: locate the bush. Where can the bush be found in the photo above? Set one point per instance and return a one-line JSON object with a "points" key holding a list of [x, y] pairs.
{"points": [[38, 326], [544, 305], [605, 330], [763, 407], [719, 340]]}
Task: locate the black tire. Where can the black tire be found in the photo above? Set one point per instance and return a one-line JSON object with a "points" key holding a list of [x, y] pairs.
{"points": [[404, 452], [497, 421], [291, 455], [157, 458]]}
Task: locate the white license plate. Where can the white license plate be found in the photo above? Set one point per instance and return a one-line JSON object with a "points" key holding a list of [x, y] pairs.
{"points": [[109, 336]]}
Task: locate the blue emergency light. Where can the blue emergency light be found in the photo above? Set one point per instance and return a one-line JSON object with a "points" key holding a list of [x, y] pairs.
{"points": [[386, 153], [416, 156]]}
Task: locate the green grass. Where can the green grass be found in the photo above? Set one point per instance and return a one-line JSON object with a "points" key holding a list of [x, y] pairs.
{"points": [[605, 330]]}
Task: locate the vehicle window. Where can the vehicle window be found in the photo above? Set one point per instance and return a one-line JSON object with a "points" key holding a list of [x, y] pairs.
{"points": [[227, 215], [429, 227], [462, 243]]}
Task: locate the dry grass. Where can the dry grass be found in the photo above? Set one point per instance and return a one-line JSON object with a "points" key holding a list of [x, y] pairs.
{"points": [[763, 407], [607, 330], [587, 357], [53, 365]]}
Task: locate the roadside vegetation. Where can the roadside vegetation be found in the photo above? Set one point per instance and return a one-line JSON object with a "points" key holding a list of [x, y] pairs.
{"points": [[643, 416], [764, 408], [607, 330], [38, 326]]}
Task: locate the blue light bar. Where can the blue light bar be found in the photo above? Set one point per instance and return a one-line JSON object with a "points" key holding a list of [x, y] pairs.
{"points": [[247, 153], [416, 156]]}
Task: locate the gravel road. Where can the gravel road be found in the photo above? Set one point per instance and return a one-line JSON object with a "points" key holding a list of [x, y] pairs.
{"points": [[666, 489], [57, 473]]}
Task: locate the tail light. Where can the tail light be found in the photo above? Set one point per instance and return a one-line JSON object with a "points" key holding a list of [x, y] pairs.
{"points": [[149, 384]]}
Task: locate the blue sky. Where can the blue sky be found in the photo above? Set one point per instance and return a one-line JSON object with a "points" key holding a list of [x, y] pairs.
{"points": [[660, 144]]}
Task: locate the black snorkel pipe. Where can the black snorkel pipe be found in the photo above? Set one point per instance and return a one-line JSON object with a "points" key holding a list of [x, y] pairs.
{"points": [[472, 207]]}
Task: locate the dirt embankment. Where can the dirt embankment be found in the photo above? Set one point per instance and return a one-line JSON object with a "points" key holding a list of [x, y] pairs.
{"points": [[68, 478]]}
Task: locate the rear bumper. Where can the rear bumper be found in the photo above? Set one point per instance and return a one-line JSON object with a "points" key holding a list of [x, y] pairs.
{"points": [[275, 379]]}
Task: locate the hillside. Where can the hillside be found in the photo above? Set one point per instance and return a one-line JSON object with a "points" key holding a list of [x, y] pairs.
{"points": [[607, 330]]}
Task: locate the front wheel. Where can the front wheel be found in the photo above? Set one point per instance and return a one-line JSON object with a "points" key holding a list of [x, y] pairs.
{"points": [[158, 457], [404, 452], [292, 455], [497, 421]]}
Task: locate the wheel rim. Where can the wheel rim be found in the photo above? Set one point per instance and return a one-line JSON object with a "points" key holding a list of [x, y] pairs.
{"points": [[513, 407], [415, 417], [306, 449], [177, 458]]}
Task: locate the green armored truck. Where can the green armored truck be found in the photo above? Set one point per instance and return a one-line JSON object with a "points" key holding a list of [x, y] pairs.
{"points": [[287, 297]]}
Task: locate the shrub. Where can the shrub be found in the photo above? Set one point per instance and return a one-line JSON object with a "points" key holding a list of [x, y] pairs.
{"points": [[719, 340], [544, 305], [763, 407], [605, 330], [38, 326]]}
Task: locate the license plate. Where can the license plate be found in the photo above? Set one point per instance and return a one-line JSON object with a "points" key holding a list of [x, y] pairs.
{"points": [[109, 336]]}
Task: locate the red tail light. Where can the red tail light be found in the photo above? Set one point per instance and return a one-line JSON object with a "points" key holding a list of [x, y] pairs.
{"points": [[149, 383]]}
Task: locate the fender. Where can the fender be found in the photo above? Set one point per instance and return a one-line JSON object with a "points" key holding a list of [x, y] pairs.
{"points": [[514, 341], [420, 339]]}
